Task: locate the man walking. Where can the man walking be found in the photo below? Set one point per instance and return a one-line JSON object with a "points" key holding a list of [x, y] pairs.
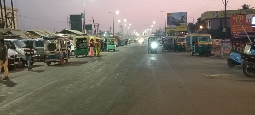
{"points": [[29, 52], [4, 59]]}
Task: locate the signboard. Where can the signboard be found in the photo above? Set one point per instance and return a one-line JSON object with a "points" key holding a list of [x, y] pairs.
{"points": [[177, 21], [241, 23], [226, 46], [220, 14]]}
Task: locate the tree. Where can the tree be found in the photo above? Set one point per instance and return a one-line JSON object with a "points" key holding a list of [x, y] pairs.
{"points": [[246, 6], [192, 27]]}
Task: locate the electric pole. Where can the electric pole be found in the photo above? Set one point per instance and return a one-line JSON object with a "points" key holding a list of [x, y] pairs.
{"points": [[225, 18]]}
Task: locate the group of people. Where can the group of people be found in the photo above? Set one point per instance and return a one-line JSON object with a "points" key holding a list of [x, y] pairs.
{"points": [[29, 52], [93, 45]]}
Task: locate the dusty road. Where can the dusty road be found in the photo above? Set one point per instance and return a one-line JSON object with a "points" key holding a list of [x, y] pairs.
{"points": [[130, 81]]}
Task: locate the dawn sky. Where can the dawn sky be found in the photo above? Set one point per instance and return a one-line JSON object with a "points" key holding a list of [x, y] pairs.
{"points": [[50, 14]]}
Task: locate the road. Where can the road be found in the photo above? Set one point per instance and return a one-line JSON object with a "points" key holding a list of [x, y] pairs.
{"points": [[130, 82]]}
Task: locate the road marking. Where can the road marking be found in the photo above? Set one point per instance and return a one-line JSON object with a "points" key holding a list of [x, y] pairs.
{"points": [[19, 99]]}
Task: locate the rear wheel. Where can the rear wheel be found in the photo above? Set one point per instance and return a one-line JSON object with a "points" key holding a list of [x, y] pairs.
{"points": [[48, 63], [231, 63], [248, 69]]}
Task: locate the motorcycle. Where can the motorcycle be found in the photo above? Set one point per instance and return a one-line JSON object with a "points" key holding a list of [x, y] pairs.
{"points": [[236, 58], [249, 66]]}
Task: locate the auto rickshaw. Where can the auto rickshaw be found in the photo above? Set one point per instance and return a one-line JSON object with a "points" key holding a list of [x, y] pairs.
{"points": [[164, 44], [110, 44], [199, 44], [180, 43], [56, 51], [80, 45], [152, 45]]}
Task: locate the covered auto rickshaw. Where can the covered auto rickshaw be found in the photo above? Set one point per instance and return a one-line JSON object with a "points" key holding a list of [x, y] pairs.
{"points": [[110, 44], [164, 44], [180, 43], [57, 50], [81, 45], [199, 44], [152, 44]]}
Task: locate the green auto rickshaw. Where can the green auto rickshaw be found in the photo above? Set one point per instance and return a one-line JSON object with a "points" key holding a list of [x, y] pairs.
{"points": [[200, 44], [81, 45], [110, 44], [180, 43]]}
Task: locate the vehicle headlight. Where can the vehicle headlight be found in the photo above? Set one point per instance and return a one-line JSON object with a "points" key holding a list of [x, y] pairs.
{"points": [[154, 45]]}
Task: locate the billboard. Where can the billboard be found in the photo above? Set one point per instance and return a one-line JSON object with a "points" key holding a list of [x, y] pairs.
{"points": [[240, 24], [177, 21], [76, 22], [221, 14], [253, 21]]}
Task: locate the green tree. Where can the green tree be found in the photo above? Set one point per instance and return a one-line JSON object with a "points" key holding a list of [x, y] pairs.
{"points": [[246, 6], [192, 27]]}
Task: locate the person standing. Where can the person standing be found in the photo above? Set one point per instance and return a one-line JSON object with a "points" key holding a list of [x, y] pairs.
{"points": [[4, 59], [91, 48], [98, 47], [29, 52]]}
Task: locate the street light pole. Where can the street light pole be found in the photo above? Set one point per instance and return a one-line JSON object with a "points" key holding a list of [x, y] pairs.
{"points": [[113, 26]]}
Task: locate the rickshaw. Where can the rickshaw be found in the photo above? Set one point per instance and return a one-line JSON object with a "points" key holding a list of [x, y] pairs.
{"points": [[110, 44], [180, 43], [152, 45], [80, 45], [57, 50], [200, 44], [164, 45]]}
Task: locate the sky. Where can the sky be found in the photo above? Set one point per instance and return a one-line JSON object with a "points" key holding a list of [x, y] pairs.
{"points": [[52, 14]]}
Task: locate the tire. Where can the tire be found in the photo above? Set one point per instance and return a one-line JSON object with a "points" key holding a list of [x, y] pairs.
{"points": [[66, 60], [21, 64], [206, 54], [246, 71], [114, 50], [192, 53], [32, 63], [48, 63], [76, 56], [231, 63]]}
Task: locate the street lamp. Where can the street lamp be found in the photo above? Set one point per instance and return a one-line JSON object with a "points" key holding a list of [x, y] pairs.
{"points": [[125, 20], [117, 12], [151, 25], [193, 19], [154, 22], [129, 24]]}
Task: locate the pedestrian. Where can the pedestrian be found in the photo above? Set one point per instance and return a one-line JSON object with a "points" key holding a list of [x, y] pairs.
{"points": [[29, 52], [4, 59], [91, 48], [98, 47]]}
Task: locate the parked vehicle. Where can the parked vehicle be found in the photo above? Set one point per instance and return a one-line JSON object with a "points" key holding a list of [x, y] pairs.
{"points": [[110, 44], [57, 50], [13, 59], [38, 45], [81, 45], [199, 44], [18, 46]]}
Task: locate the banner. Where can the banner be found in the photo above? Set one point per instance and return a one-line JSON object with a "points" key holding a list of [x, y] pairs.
{"points": [[177, 21], [221, 14], [240, 24], [226, 46]]}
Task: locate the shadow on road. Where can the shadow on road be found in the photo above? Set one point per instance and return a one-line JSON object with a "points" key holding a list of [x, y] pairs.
{"points": [[22, 69], [8, 83], [69, 64]]}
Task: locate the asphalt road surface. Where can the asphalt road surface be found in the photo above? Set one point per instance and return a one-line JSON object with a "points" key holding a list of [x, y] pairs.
{"points": [[130, 82]]}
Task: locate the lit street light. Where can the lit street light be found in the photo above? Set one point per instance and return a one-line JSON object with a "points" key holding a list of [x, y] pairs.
{"points": [[117, 12], [154, 22]]}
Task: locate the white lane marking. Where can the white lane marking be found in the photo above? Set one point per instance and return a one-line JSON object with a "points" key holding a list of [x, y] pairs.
{"points": [[19, 99]]}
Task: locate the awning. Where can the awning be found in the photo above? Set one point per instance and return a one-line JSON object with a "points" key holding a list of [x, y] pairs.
{"points": [[19, 33], [67, 31]]}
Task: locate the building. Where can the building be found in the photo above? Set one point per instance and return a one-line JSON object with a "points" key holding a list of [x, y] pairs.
{"points": [[215, 19], [10, 24], [214, 22]]}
